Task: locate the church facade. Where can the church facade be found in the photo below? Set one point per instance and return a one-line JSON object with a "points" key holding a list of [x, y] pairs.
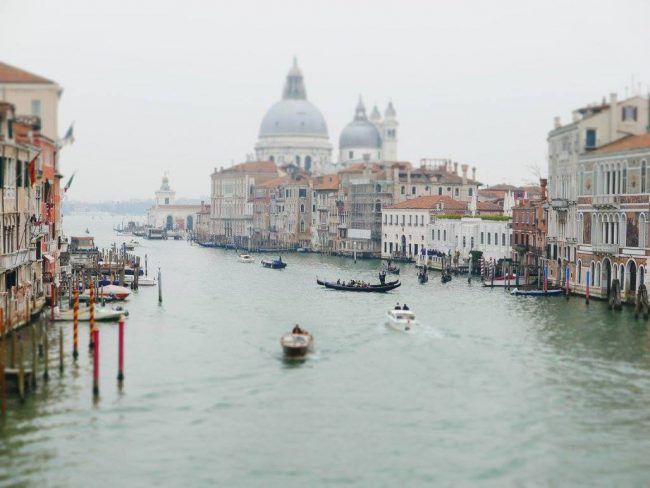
{"points": [[166, 214]]}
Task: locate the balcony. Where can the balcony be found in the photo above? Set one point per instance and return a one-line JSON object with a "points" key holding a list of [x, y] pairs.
{"points": [[560, 203], [606, 201], [14, 260], [605, 248]]}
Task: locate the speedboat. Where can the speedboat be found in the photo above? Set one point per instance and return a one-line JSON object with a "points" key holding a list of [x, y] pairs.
{"points": [[246, 258], [274, 263], [131, 245], [402, 320], [83, 314], [142, 280], [297, 345]]}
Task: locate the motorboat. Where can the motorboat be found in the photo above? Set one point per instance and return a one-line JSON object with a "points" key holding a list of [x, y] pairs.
{"points": [[507, 280], [107, 292], [538, 293], [297, 345], [131, 245], [83, 314], [246, 258], [401, 320], [142, 280], [359, 286], [274, 263]]}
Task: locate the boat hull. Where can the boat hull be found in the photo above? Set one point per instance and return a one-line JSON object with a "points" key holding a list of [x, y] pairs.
{"points": [[361, 289], [274, 264], [84, 315], [297, 346], [538, 293]]}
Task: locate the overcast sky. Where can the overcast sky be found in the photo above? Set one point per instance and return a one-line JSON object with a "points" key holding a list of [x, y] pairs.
{"points": [[182, 86]]}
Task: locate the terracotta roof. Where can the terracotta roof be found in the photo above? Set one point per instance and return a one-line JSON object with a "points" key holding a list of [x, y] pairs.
{"points": [[274, 182], [629, 143], [11, 74], [431, 202], [489, 206], [327, 182], [253, 167]]}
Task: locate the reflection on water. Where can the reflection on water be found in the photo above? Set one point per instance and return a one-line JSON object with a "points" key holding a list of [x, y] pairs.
{"points": [[489, 388]]}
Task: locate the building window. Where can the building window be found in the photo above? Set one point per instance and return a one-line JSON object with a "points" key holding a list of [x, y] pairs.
{"points": [[351, 154], [643, 176], [410, 217], [481, 237], [590, 139], [413, 191], [503, 239], [391, 219], [463, 241], [272, 159], [456, 192], [438, 234], [489, 238], [36, 107], [471, 192], [302, 208], [403, 190], [302, 192], [166, 200], [496, 239], [629, 113], [444, 235], [385, 219], [439, 190]]}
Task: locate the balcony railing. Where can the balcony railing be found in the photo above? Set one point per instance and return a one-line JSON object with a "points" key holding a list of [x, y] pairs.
{"points": [[560, 203], [606, 201], [605, 248], [14, 259]]}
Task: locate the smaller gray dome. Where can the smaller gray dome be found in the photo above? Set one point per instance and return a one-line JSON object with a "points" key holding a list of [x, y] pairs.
{"points": [[360, 133]]}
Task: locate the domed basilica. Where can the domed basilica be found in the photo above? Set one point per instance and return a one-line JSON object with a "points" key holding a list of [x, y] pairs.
{"points": [[294, 131]]}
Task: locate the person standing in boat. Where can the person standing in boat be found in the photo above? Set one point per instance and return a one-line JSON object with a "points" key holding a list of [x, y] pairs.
{"points": [[382, 277]]}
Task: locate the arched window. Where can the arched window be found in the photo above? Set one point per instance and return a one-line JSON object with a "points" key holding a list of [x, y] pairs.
{"points": [[272, 159], [579, 273], [439, 190], [413, 191], [593, 273], [624, 182], [298, 160], [302, 208], [302, 226]]}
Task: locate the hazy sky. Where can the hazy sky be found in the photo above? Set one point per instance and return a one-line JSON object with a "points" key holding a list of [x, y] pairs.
{"points": [[183, 85]]}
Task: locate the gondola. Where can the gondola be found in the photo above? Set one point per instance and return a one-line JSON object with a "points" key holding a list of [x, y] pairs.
{"points": [[391, 269], [274, 263], [446, 277], [391, 285], [423, 277]]}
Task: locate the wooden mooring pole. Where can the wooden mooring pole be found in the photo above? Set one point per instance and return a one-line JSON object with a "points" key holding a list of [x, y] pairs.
{"points": [[120, 352], [75, 319], [95, 333], [159, 286]]}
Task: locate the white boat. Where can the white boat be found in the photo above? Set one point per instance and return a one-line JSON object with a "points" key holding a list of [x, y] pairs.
{"points": [[142, 280], [402, 320], [246, 258], [510, 280], [131, 245], [101, 313], [109, 292]]}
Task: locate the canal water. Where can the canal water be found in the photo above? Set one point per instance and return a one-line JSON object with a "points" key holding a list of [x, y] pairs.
{"points": [[492, 390]]}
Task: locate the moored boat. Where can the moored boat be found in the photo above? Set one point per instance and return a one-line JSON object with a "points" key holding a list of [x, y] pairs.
{"points": [[359, 286], [446, 277], [246, 258], [401, 320], [101, 313], [391, 268], [297, 344], [108, 292], [274, 263], [507, 280], [538, 293]]}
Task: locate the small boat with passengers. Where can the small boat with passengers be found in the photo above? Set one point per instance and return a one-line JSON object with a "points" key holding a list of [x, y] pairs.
{"points": [[246, 258], [401, 319], [297, 344], [274, 263], [359, 286]]}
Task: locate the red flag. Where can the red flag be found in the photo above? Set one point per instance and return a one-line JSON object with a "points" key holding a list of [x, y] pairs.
{"points": [[32, 170]]}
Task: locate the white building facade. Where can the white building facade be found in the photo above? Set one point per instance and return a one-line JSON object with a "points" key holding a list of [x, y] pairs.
{"points": [[592, 127], [491, 237], [166, 214]]}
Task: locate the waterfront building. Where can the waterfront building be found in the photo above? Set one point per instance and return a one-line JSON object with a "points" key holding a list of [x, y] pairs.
{"points": [[31, 94], [405, 224], [325, 209], [294, 131], [167, 214], [529, 217], [435, 177], [202, 223], [592, 127], [290, 216], [369, 139], [21, 270], [613, 216], [232, 193], [366, 189], [489, 234]]}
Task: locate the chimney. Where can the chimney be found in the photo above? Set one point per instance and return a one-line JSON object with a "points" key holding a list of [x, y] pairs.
{"points": [[556, 123], [613, 118], [474, 173], [464, 168], [455, 168]]}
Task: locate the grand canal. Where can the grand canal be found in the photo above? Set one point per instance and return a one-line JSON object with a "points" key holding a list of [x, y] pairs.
{"points": [[493, 390]]}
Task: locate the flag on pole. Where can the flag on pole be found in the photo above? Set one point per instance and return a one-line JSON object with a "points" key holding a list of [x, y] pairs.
{"points": [[32, 169], [69, 183], [68, 138]]}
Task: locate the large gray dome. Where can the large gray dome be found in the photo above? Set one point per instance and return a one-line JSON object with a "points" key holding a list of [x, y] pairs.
{"points": [[293, 116], [360, 133]]}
